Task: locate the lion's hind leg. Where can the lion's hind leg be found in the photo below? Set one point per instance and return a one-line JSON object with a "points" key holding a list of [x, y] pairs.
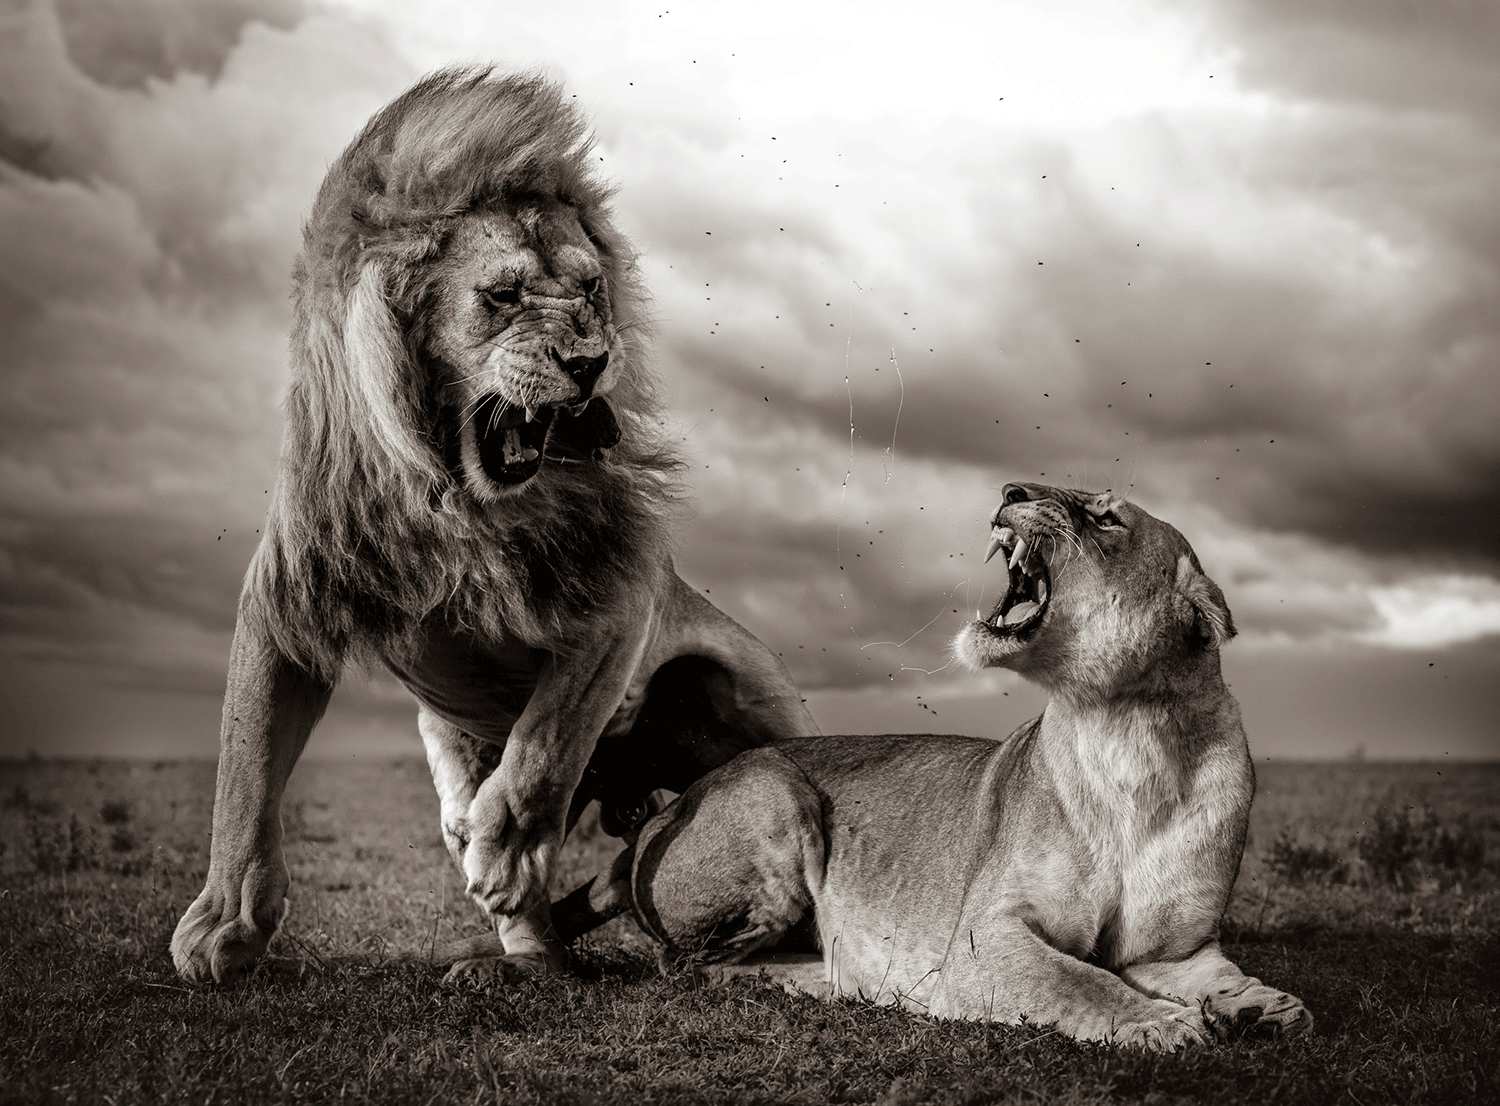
{"points": [[733, 864]]}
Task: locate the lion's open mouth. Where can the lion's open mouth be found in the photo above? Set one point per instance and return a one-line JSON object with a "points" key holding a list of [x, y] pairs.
{"points": [[1028, 586], [513, 442], [510, 439]]}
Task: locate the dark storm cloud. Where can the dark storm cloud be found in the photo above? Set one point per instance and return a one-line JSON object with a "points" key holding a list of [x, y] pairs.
{"points": [[124, 43], [1432, 56], [146, 232]]}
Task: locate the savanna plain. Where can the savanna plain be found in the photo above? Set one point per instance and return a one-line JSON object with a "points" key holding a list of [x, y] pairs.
{"points": [[1370, 890]]}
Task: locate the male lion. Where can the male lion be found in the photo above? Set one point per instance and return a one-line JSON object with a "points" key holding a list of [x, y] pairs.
{"points": [[473, 492], [1073, 874]]}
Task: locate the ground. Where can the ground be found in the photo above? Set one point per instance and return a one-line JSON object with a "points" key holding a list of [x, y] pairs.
{"points": [[1370, 890]]}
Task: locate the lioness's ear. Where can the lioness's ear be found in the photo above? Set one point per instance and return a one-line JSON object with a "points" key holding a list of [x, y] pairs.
{"points": [[390, 387], [1210, 611]]}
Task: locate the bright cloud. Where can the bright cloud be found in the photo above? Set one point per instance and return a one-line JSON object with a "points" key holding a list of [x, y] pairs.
{"points": [[1435, 611]]}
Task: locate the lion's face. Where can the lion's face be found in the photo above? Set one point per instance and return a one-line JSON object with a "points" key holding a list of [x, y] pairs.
{"points": [[1098, 593], [521, 327]]}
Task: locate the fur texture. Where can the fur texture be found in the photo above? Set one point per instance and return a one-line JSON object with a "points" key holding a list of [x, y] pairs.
{"points": [[474, 491], [1073, 874], [373, 529]]}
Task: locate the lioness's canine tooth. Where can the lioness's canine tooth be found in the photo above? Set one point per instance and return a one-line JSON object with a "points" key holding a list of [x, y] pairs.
{"points": [[1020, 554], [996, 544], [531, 414]]}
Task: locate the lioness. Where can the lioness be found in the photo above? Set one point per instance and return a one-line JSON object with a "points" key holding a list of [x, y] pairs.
{"points": [[1073, 874]]}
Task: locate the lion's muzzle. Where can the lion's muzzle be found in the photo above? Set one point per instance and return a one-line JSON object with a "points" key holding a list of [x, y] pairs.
{"points": [[584, 371]]}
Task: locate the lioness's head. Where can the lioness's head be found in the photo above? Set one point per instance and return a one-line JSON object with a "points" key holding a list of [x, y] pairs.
{"points": [[1099, 595]]}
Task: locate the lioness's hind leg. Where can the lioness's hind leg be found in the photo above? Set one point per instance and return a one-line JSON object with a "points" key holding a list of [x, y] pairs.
{"points": [[1227, 995], [734, 863]]}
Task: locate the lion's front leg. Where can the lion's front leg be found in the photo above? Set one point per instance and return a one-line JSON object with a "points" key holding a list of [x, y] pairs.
{"points": [[1226, 995], [517, 818], [270, 707]]}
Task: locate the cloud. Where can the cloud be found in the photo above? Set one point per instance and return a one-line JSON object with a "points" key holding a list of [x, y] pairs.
{"points": [[1247, 268], [150, 193], [1436, 611]]}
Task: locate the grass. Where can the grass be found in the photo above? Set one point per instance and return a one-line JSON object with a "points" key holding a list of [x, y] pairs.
{"points": [[1372, 891]]}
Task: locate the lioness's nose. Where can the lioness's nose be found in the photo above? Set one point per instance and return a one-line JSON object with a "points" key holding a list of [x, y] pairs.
{"points": [[585, 371], [1014, 493]]}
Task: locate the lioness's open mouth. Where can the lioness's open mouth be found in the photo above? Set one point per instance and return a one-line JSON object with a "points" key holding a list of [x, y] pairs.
{"points": [[1027, 590], [513, 441]]}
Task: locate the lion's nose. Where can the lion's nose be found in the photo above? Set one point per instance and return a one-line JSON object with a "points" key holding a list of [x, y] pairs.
{"points": [[585, 371], [1014, 493]]}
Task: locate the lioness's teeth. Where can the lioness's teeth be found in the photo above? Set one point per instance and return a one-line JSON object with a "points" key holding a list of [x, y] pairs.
{"points": [[1000, 537], [530, 414], [1020, 554]]}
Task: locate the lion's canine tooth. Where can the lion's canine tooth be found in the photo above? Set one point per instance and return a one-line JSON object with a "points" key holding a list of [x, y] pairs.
{"points": [[530, 413], [1020, 554]]}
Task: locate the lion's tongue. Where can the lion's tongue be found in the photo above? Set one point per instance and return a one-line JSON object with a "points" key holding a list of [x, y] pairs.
{"points": [[509, 443], [1020, 612]]}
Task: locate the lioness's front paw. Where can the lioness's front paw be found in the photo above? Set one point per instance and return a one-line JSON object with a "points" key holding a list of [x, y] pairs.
{"points": [[506, 877], [1258, 1006], [1178, 1027], [223, 934]]}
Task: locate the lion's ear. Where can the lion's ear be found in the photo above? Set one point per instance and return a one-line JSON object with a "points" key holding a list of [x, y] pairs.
{"points": [[378, 362], [1210, 612]]}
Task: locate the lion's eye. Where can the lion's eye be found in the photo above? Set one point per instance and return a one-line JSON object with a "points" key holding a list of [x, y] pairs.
{"points": [[1108, 520], [591, 286], [502, 295]]}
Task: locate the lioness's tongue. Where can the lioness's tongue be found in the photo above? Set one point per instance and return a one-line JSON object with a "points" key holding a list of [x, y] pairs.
{"points": [[1020, 612]]}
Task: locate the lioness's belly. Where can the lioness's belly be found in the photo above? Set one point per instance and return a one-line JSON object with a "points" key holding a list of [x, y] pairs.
{"points": [[480, 687]]}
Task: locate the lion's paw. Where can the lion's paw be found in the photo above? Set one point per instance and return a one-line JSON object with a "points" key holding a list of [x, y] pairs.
{"points": [[217, 939], [507, 877], [1257, 1007], [491, 971], [1178, 1027]]}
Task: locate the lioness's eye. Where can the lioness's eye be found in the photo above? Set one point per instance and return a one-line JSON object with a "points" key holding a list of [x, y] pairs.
{"points": [[1108, 521], [502, 295]]}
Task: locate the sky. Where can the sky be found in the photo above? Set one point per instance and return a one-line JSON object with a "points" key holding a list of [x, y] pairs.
{"points": [[1241, 259]]}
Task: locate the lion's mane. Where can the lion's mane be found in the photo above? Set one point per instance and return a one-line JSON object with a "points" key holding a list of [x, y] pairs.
{"points": [[371, 532]]}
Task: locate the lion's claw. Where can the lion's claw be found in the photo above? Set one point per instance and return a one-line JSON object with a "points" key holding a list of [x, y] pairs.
{"points": [[501, 970]]}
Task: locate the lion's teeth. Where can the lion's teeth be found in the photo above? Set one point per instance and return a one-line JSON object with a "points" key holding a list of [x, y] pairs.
{"points": [[1019, 555], [530, 414]]}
